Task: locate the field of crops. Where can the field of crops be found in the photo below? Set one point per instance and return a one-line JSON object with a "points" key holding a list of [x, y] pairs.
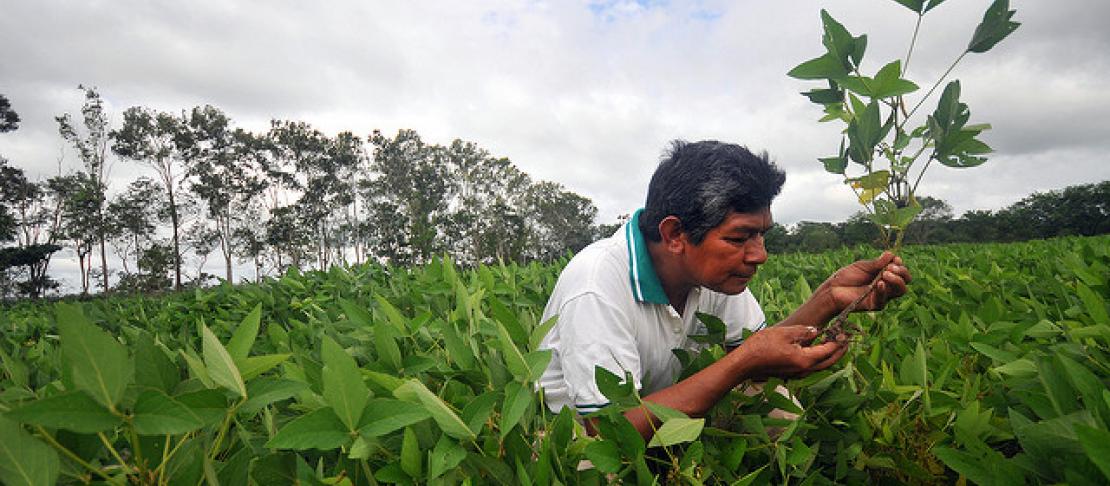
{"points": [[993, 370]]}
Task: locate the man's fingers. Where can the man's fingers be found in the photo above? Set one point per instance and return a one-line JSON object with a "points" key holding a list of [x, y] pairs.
{"points": [[833, 358], [872, 266], [822, 352], [802, 334]]}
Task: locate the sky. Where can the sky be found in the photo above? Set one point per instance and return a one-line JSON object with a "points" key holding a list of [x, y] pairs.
{"points": [[587, 94]]}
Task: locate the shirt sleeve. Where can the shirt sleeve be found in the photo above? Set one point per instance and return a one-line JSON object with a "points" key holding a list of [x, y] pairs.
{"points": [[593, 332], [740, 312]]}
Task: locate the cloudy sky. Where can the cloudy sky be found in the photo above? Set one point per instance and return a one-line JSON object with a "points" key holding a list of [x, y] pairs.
{"points": [[583, 93]]}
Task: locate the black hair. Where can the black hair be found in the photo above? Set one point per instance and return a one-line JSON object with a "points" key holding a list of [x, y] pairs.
{"points": [[702, 182]]}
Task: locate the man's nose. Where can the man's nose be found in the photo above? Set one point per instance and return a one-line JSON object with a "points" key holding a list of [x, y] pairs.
{"points": [[756, 252]]}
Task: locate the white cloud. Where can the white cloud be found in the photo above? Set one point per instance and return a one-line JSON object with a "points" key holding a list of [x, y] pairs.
{"points": [[586, 94]]}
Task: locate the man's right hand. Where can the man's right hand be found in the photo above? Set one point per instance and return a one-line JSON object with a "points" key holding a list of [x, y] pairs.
{"points": [[784, 352]]}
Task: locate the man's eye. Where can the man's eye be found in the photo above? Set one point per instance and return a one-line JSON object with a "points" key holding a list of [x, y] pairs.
{"points": [[737, 240]]}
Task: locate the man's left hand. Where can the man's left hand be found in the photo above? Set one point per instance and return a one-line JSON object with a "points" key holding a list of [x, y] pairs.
{"points": [[848, 283]]}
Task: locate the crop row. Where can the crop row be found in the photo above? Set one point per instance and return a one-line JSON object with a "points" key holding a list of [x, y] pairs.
{"points": [[993, 369]]}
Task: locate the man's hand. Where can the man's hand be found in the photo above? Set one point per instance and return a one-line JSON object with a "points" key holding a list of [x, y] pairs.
{"points": [[784, 352], [848, 283]]}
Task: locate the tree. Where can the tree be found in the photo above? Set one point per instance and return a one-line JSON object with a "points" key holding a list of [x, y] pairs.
{"points": [[9, 119], [562, 220], [408, 198], [154, 138], [133, 219], [225, 173], [858, 230], [31, 219], [487, 199], [91, 140], [815, 236], [79, 198]]}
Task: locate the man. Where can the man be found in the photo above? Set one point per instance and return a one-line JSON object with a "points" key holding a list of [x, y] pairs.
{"points": [[626, 301]]}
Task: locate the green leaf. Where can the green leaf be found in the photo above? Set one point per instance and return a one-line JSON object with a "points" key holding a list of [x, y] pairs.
{"points": [[319, 429], [98, 362], [242, 340], [1020, 368], [254, 366], [414, 391], [663, 412], [841, 46], [517, 400], [343, 386], [915, 5], [888, 82], [208, 405], [994, 353], [1096, 443], [612, 386], [995, 26], [155, 413], [834, 165], [677, 431], [965, 464], [824, 67], [541, 331], [824, 96], [196, 368], [411, 458], [537, 363], [24, 460], [73, 411], [383, 380], [864, 133], [158, 370], [604, 455], [905, 215], [1096, 307], [478, 410], [446, 456], [265, 391], [620, 430], [385, 343], [750, 477], [357, 315], [385, 415], [391, 313], [221, 368], [513, 358]]}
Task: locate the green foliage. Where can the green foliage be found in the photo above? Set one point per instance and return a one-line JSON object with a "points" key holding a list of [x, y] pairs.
{"points": [[1010, 391], [878, 135]]}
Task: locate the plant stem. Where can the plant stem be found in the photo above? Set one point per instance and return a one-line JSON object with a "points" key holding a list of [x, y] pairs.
{"points": [[923, 169], [934, 88], [161, 467], [224, 428], [843, 315], [68, 453], [113, 451], [913, 41]]}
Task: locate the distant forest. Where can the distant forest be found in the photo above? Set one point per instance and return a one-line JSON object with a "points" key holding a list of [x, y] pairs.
{"points": [[295, 197], [1076, 210], [289, 197]]}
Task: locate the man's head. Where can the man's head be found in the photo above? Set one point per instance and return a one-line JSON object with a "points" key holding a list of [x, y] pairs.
{"points": [[703, 182]]}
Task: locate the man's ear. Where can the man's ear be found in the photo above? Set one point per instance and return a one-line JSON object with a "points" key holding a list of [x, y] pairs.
{"points": [[673, 234]]}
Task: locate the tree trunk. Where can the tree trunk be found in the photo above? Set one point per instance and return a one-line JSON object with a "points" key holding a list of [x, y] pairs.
{"points": [[104, 264], [176, 245]]}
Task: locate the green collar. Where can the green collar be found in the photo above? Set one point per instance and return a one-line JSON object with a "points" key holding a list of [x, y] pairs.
{"points": [[641, 272]]}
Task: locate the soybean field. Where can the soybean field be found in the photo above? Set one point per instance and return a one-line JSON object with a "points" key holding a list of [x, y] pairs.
{"points": [[993, 369]]}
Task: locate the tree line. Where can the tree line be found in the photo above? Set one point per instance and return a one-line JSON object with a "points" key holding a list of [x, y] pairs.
{"points": [[291, 196], [1076, 210]]}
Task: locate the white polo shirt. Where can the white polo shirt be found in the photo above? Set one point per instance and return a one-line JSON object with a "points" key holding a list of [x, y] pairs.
{"points": [[612, 312]]}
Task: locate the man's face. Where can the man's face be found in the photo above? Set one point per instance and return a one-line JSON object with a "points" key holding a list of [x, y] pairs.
{"points": [[727, 258]]}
